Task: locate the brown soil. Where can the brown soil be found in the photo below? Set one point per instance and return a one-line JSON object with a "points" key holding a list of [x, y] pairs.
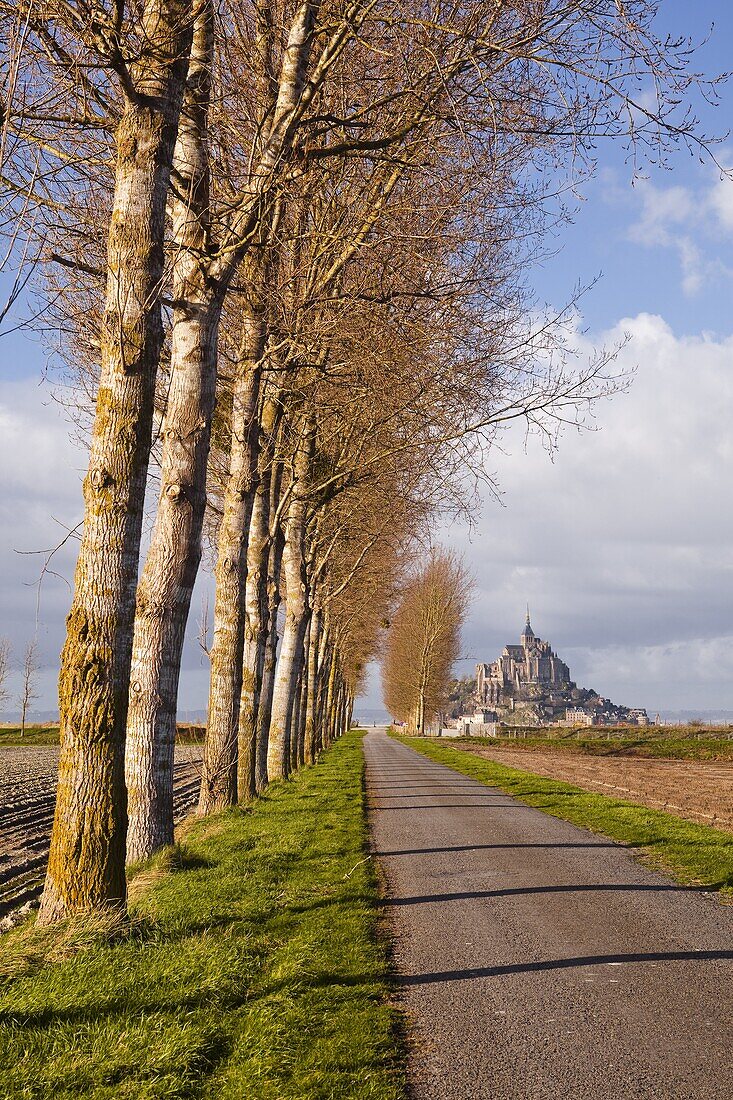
{"points": [[27, 798], [700, 791]]}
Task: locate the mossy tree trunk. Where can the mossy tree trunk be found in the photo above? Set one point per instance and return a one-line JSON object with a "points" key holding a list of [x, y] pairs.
{"points": [[86, 867]]}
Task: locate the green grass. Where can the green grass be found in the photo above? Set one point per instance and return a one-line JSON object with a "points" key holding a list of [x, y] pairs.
{"points": [[34, 735], [692, 854], [252, 968], [694, 732], [668, 748]]}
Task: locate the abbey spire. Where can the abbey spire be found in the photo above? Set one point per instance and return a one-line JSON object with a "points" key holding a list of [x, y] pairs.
{"points": [[528, 634]]}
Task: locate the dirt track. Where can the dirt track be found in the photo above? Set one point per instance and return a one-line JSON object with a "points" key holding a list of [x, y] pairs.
{"points": [[699, 791], [27, 798]]}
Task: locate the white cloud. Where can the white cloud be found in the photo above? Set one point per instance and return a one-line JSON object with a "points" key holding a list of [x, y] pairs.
{"points": [[721, 202], [662, 210], [623, 545], [41, 471], [40, 498], [668, 218], [687, 220], [36, 454]]}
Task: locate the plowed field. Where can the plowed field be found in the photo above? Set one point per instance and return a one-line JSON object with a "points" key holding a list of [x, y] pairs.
{"points": [[27, 798], [695, 790]]}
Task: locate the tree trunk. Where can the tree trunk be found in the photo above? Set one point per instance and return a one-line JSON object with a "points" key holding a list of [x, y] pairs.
{"points": [[337, 710], [329, 721], [164, 592], [324, 669], [293, 731], [311, 716], [342, 711], [255, 634], [218, 774], [166, 585], [302, 699], [262, 556], [264, 710], [290, 661], [86, 867]]}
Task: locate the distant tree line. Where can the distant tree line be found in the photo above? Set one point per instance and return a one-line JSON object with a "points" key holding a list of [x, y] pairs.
{"points": [[282, 245]]}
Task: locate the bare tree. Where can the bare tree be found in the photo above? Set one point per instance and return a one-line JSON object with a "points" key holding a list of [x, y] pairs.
{"points": [[29, 681], [396, 154], [5, 656], [423, 642], [143, 55]]}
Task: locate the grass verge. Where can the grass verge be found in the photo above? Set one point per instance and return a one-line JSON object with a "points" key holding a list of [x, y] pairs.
{"points": [[251, 967], [642, 747], [693, 854]]}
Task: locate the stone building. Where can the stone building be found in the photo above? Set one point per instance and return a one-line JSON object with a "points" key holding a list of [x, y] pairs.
{"points": [[523, 673], [528, 683], [576, 716]]}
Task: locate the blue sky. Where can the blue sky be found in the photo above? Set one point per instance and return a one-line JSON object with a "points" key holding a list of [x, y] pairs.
{"points": [[624, 543], [608, 237]]}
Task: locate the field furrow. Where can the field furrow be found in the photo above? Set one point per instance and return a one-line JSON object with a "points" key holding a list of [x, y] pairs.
{"points": [[27, 799]]}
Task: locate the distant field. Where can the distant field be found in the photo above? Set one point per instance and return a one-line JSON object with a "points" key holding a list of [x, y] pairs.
{"points": [[49, 735], [619, 733], [34, 735], [693, 779], [708, 747]]}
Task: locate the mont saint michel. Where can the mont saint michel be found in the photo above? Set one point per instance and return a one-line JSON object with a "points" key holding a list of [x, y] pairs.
{"points": [[529, 684]]}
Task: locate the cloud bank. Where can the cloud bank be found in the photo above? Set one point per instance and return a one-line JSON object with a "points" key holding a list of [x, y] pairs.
{"points": [[623, 545]]}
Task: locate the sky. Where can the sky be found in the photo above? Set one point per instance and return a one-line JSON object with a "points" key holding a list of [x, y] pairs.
{"points": [[621, 542]]}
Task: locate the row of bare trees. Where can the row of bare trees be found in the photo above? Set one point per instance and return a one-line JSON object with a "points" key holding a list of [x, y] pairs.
{"points": [[281, 246]]}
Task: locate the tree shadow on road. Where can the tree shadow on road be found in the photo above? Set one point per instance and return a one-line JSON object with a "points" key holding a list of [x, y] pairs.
{"points": [[573, 888], [562, 964], [489, 847]]}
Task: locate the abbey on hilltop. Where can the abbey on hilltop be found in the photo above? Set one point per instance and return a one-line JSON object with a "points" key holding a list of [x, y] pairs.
{"points": [[529, 684]]}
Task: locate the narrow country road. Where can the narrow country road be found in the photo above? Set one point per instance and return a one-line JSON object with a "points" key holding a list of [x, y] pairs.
{"points": [[536, 960]]}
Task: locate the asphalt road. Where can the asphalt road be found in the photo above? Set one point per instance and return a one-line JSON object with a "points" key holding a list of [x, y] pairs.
{"points": [[536, 960]]}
